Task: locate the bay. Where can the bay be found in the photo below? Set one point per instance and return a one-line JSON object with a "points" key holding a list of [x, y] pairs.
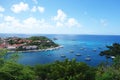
{"points": [[85, 45]]}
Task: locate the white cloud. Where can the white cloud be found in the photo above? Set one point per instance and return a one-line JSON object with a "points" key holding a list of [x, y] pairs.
{"points": [[34, 9], [41, 9], [9, 18], [38, 8], [12, 21], [31, 22], [17, 8], [29, 25], [33, 25], [62, 20], [2, 9], [59, 24], [103, 22], [72, 22], [12, 24], [36, 25], [61, 16]]}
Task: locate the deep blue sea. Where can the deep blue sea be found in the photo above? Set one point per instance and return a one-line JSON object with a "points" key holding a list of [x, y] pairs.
{"points": [[69, 42]]}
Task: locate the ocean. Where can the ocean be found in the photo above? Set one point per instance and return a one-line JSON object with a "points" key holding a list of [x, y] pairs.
{"points": [[85, 45]]}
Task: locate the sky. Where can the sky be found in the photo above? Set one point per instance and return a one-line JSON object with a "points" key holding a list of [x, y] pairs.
{"points": [[99, 17]]}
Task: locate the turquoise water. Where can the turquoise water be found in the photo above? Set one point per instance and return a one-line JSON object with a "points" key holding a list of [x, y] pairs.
{"points": [[92, 44]]}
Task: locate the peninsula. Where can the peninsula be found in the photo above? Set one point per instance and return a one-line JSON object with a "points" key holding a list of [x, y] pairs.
{"points": [[34, 43]]}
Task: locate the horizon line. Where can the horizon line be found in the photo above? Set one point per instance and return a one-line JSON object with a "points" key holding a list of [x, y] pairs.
{"points": [[61, 34]]}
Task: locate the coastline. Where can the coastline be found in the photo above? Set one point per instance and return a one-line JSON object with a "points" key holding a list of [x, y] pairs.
{"points": [[39, 50]]}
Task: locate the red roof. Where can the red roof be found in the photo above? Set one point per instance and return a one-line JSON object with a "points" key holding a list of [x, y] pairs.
{"points": [[2, 46]]}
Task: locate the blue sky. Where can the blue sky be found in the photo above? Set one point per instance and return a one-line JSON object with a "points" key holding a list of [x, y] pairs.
{"points": [[60, 17]]}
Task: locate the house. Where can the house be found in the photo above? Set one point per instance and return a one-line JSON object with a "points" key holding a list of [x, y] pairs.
{"points": [[13, 47], [47, 41], [4, 44], [30, 47]]}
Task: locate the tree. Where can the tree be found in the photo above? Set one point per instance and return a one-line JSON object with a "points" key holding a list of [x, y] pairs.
{"points": [[10, 70], [110, 72], [65, 70], [113, 50]]}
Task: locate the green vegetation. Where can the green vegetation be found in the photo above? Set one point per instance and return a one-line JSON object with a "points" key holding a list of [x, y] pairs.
{"points": [[59, 70], [66, 70], [111, 72], [10, 70], [11, 41], [42, 42], [34, 38], [106, 71], [113, 50]]}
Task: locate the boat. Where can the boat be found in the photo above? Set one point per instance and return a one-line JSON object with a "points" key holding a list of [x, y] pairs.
{"points": [[113, 57], [82, 48], [87, 58], [71, 51], [63, 56], [78, 54]]}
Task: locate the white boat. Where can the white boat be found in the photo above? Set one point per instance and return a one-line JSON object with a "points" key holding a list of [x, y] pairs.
{"points": [[88, 58], [112, 57], [63, 56], [78, 54]]}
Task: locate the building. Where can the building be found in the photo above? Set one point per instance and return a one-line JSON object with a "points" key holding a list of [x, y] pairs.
{"points": [[30, 47]]}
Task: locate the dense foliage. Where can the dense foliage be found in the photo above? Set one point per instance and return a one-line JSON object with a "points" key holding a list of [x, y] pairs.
{"points": [[10, 70], [113, 50], [11, 41], [106, 71], [34, 38], [59, 70], [111, 72], [66, 70], [42, 42]]}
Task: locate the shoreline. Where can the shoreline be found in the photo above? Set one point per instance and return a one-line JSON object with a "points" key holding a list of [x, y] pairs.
{"points": [[40, 50]]}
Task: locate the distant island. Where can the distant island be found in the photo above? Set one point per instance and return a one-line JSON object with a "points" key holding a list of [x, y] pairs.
{"points": [[33, 43]]}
